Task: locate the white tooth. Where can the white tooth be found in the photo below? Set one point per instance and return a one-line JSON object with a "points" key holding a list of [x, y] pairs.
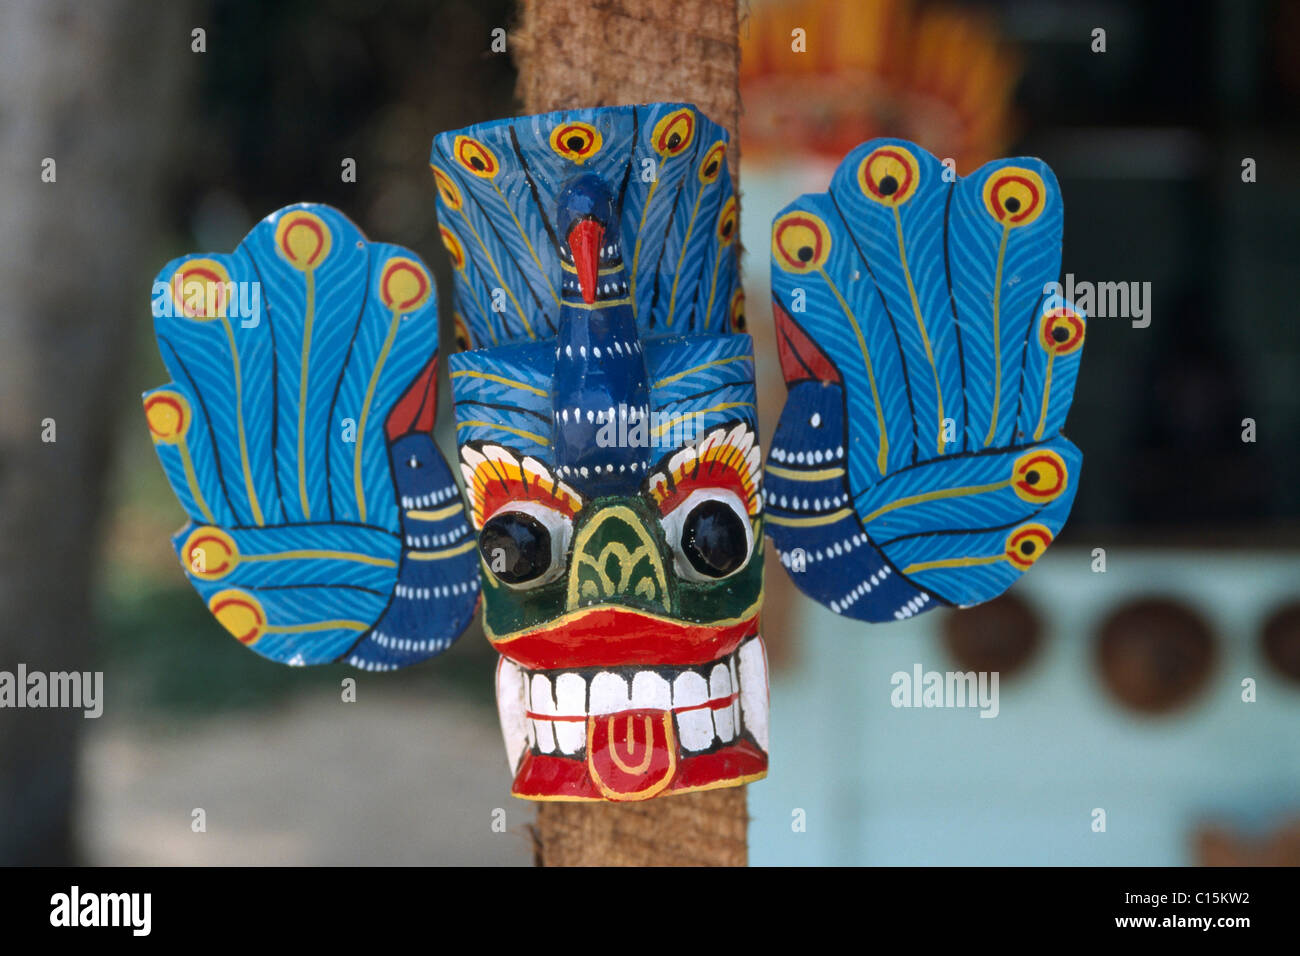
{"points": [[651, 690], [720, 686], [570, 701], [543, 703], [545, 732], [510, 708], [694, 727], [609, 694], [735, 686], [753, 689]]}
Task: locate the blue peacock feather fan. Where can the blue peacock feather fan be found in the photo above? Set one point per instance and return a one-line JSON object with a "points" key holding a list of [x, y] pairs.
{"points": [[919, 458], [296, 433]]}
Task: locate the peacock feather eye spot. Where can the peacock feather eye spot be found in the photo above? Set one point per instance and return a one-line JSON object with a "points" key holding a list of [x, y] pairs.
{"points": [[710, 169], [1012, 204], [477, 163], [888, 186], [714, 540], [1060, 333], [516, 547]]}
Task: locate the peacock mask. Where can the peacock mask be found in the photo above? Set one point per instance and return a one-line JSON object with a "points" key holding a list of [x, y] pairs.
{"points": [[614, 501]]}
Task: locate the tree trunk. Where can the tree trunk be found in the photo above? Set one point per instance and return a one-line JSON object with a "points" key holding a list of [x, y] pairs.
{"points": [[585, 53], [85, 85]]}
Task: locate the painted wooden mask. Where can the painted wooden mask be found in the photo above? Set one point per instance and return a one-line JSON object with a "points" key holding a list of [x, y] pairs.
{"points": [[614, 508]]}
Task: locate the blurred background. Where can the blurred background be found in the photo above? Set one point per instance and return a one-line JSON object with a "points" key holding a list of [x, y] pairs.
{"points": [[1122, 668]]}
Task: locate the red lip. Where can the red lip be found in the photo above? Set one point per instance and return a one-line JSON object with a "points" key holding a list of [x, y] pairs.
{"points": [[605, 636]]}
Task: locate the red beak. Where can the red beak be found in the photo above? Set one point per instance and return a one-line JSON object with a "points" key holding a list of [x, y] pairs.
{"points": [[584, 241]]}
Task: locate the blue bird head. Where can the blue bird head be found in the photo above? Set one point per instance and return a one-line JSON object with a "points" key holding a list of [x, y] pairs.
{"points": [[588, 219]]}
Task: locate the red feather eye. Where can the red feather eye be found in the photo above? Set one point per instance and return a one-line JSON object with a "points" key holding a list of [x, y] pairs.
{"points": [[475, 157], [1014, 196], [404, 286], [726, 458], [1039, 476], [447, 189], [711, 165], [800, 242], [200, 288], [1061, 331], [576, 142], [889, 175], [1026, 544], [673, 134], [495, 478]]}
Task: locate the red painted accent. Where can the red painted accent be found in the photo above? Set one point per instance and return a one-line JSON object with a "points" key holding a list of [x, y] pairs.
{"points": [[584, 242], [415, 411], [632, 754], [716, 473], [799, 353], [618, 637], [546, 775]]}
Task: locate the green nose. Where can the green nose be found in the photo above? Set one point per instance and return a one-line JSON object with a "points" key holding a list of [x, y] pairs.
{"points": [[616, 559]]}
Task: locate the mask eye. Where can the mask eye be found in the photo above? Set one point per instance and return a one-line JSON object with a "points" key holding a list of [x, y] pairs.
{"points": [[711, 535], [524, 544]]}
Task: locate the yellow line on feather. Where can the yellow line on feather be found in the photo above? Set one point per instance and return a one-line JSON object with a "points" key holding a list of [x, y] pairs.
{"points": [[882, 456], [438, 515], [499, 379], [316, 626], [497, 272], [1047, 393], [997, 342], [540, 439], [831, 518], [193, 480], [640, 231], [365, 413], [820, 474], [315, 554], [952, 563], [920, 322], [239, 422], [690, 227], [310, 314], [444, 553], [936, 496], [524, 234]]}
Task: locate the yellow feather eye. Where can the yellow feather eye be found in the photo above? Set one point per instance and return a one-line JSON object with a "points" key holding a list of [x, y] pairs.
{"points": [[1026, 544], [1014, 196], [727, 223], [1039, 476], [239, 613], [447, 189], [889, 175], [210, 554], [201, 289], [303, 239], [673, 133], [475, 157], [404, 286], [711, 165], [737, 311], [800, 242], [453, 247], [1061, 331], [168, 415], [576, 142], [464, 341]]}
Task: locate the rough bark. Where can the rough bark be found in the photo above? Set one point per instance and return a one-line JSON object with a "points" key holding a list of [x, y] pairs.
{"points": [[584, 53], [89, 86]]}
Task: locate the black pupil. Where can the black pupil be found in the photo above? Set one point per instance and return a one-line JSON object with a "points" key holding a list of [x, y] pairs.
{"points": [[674, 140], [575, 143], [888, 186], [713, 539], [476, 163], [710, 169], [1027, 548], [805, 253], [726, 229], [516, 547], [1060, 333], [1032, 477], [1012, 204]]}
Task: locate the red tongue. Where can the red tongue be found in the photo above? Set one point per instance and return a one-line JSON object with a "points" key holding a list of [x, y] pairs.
{"points": [[631, 755], [584, 241]]}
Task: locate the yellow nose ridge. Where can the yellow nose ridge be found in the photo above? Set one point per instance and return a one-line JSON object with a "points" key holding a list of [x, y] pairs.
{"points": [[616, 557]]}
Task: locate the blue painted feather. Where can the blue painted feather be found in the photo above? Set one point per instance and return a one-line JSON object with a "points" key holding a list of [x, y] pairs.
{"points": [[919, 460], [498, 185], [296, 433]]}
